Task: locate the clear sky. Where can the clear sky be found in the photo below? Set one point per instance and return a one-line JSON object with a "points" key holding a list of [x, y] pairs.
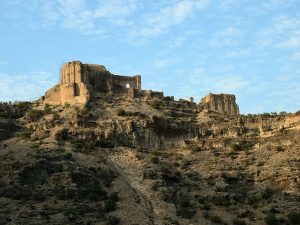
{"points": [[250, 48]]}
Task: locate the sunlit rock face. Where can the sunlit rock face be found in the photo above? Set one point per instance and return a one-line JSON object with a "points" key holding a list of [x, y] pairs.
{"points": [[222, 103]]}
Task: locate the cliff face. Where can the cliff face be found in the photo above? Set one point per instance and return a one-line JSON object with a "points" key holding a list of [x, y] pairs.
{"points": [[222, 103]]}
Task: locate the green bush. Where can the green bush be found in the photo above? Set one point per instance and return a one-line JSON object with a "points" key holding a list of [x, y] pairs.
{"points": [[196, 149], [267, 193], [155, 104], [186, 213], [113, 220], [279, 149], [252, 200], [271, 220], [35, 146], [24, 134], [62, 135], [184, 201], [185, 164], [121, 112], [239, 222], [294, 218], [235, 147], [47, 109], [216, 219], [34, 115], [114, 196], [154, 160], [110, 205], [206, 207]]}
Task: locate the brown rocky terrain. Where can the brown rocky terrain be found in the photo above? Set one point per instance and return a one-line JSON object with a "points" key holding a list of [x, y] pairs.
{"points": [[130, 156]]}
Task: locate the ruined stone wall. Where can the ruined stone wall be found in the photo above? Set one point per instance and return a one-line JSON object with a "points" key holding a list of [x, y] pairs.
{"points": [[222, 103], [96, 76], [67, 93], [71, 73], [78, 79], [126, 82]]}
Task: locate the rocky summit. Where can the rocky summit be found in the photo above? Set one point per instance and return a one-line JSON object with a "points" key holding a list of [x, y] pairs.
{"points": [[98, 149]]}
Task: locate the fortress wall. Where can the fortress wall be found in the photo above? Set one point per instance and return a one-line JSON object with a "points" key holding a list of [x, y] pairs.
{"points": [[126, 82], [96, 76]]}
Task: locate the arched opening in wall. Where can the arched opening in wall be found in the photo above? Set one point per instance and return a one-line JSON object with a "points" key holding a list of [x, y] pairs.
{"points": [[127, 85]]}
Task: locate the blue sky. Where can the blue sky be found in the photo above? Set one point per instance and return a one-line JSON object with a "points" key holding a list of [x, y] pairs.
{"points": [[250, 48]]}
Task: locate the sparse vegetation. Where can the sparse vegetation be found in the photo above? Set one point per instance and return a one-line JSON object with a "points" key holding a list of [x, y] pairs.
{"points": [[267, 193], [239, 222], [121, 112], [271, 220], [47, 109], [34, 115], [216, 219], [294, 218], [155, 104], [24, 134]]}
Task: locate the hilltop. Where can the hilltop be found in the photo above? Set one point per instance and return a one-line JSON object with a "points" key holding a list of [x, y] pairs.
{"points": [[98, 149]]}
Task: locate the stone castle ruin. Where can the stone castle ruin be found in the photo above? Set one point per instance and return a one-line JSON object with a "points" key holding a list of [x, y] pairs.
{"points": [[78, 81]]}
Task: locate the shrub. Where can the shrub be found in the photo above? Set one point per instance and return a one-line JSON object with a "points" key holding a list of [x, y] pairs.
{"points": [[267, 193], [114, 196], [38, 196], [184, 201], [239, 222], [271, 220], [235, 147], [206, 207], [24, 134], [110, 205], [279, 149], [206, 215], [185, 164], [113, 220], [294, 218], [34, 115], [186, 213], [62, 135], [222, 200], [154, 159], [47, 109], [196, 149], [155, 104], [68, 156], [216, 219], [35, 146], [252, 200], [121, 112]]}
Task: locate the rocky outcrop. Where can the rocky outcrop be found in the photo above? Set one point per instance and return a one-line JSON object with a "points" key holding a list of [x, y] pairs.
{"points": [[222, 103]]}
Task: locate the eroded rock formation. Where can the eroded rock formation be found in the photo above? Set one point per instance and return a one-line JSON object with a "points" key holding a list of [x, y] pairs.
{"points": [[222, 103]]}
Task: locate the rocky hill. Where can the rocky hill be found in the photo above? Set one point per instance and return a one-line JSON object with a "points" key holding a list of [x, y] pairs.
{"points": [[97, 149]]}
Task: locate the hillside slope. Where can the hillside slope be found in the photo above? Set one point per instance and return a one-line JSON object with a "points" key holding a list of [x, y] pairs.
{"points": [[140, 160]]}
